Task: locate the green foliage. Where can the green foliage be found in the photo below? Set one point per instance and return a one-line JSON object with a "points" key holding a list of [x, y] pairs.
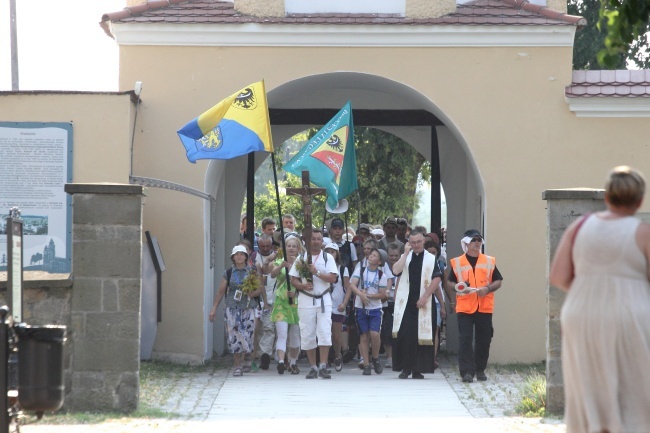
{"points": [[387, 171], [589, 39], [626, 23], [533, 398], [266, 204]]}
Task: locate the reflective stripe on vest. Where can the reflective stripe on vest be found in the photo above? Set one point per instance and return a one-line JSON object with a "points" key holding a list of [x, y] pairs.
{"points": [[481, 276]]}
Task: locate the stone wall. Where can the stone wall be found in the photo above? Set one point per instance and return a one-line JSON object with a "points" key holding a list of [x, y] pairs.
{"points": [[562, 208], [104, 332]]}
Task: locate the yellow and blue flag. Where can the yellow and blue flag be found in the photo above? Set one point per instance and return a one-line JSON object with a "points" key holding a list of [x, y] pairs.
{"points": [[330, 158], [235, 126]]}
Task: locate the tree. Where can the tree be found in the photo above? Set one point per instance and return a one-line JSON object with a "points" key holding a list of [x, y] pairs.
{"points": [[589, 41], [387, 170], [626, 23]]}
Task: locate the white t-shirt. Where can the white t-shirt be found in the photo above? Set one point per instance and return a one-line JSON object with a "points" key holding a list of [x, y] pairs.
{"points": [[320, 286], [338, 294], [270, 281], [371, 284]]}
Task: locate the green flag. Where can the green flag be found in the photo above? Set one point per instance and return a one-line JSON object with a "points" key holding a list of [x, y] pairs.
{"points": [[329, 157]]}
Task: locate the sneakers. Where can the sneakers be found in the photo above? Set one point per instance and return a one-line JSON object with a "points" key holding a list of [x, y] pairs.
{"points": [[338, 364], [389, 363], [377, 366], [404, 374], [313, 374], [280, 367], [467, 378], [237, 372], [366, 370], [480, 375], [324, 373], [348, 356], [246, 367], [265, 360], [293, 369], [360, 365]]}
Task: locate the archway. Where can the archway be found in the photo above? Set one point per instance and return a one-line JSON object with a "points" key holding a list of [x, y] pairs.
{"points": [[459, 176]]}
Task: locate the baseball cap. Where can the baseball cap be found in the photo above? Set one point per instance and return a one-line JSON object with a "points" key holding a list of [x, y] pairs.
{"points": [[377, 232], [332, 246], [390, 220], [472, 232], [337, 222], [238, 249], [364, 226]]}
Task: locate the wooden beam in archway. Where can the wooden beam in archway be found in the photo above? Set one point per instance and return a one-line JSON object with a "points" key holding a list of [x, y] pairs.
{"points": [[320, 116], [369, 118]]}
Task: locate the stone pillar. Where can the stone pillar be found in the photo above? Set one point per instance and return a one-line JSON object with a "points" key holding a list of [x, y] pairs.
{"points": [[563, 206], [105, 311]]}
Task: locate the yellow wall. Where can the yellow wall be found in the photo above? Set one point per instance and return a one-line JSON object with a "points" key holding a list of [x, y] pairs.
{"points": [[507, 103], [101, 128]]}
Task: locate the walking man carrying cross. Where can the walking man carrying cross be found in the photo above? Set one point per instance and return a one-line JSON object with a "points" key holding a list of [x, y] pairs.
{"points": [[313, 285]]}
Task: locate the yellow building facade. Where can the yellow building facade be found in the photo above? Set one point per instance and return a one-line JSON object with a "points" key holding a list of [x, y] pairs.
{"points": [[498, 84]]}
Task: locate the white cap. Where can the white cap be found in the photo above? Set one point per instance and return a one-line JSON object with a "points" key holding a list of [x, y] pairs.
{"points": [[332, 246], [377, 232], [239, 249]]}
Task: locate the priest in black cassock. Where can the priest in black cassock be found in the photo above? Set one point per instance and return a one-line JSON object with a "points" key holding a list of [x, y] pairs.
{"points": [[414, 322]]}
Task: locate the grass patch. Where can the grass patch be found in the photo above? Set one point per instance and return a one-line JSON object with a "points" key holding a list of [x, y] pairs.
{"points": [[520, 368], [533, 397], [157, 383]]}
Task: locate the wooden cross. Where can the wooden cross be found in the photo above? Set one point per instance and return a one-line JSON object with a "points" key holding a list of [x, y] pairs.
{"points": [[306, 192]]}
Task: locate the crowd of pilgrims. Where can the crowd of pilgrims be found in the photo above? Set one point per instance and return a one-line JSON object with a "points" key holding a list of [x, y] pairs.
{"points": [[350, 320]]}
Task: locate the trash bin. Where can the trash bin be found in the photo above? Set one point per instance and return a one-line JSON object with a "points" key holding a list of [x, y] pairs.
{"points": [[40, 367]]}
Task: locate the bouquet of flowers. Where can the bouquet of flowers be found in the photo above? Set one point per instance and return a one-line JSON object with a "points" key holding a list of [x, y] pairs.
{"points": [[250, 283], [303, 269]]}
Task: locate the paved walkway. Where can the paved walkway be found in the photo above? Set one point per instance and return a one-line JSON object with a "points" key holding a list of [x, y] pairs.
{"points": [[265, 401]]}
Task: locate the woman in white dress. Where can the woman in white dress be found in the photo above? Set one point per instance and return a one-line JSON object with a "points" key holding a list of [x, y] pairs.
{"points": [[602, 261]]}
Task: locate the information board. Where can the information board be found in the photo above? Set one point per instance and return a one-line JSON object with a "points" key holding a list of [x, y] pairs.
{"points": [[35, 165]]}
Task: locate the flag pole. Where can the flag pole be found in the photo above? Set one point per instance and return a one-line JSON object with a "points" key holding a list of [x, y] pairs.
{"points": [[358, 209], [284, 247]]}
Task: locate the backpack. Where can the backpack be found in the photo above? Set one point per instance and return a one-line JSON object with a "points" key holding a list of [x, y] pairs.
{"points": [[345, 251], [363, 269]]}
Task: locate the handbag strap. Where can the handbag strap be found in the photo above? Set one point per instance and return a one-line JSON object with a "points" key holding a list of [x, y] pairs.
{"points": [[575, 232]]}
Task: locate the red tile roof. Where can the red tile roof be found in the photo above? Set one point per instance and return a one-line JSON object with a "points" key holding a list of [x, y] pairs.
{"points": [[617, 84], [477, 12]]}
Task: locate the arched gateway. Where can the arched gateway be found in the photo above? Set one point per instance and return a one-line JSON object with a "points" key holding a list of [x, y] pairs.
{"points": [[377, 102], [488, 75]]}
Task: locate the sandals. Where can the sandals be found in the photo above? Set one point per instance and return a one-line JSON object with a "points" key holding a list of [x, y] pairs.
{"points": [[238, 372]]}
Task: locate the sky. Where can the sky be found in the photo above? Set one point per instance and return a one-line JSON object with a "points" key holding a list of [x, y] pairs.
{"points": [[60, 45]]}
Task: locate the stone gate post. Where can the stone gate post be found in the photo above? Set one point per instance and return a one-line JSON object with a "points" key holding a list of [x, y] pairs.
{"points": [[563, 206], [105, 312]]}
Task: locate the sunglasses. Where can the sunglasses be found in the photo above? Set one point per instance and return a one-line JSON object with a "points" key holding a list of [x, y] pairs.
{"points": [[477, 240]]}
